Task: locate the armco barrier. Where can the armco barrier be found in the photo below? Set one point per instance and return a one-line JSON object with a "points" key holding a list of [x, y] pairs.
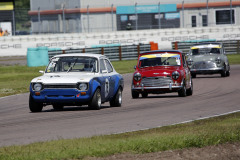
{"points": [[114, 53]]}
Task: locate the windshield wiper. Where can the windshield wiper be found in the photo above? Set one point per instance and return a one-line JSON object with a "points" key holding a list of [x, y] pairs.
{"points": [[70, 68]]}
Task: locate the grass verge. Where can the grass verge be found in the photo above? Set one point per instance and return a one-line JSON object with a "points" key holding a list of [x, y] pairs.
{"points": [[195, 134], [234, 58]]}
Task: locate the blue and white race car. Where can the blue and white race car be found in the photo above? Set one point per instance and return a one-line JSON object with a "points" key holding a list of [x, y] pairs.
{"points": [[75, 80]]}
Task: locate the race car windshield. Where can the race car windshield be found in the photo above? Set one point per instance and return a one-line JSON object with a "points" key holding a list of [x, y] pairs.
{"points": [[159, 60], [202, 51], [72, 64]]}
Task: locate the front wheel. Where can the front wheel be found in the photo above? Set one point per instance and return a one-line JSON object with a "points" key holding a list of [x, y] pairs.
{"points": [[34, 106], [96, 101], [224, 72], [117, 99], [190, 90], [144, 95], [182, 92], [194, 75], [135, 94]]}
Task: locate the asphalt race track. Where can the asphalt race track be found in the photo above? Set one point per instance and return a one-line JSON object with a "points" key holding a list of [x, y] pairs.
{"points": [[212, 95]]}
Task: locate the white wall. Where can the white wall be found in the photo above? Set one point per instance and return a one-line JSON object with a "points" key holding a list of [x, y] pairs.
{"points": [[16, 46]]}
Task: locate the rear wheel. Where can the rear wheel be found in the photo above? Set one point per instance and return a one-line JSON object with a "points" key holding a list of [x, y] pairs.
{"points": [[135, 94], [34, 106], [182, 92], [117, 99], [96, 100]]}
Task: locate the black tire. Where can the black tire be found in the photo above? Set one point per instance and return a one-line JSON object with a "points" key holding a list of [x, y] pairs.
{"points": [[182, 92], [194, 75], [144, 95], [228, 72], [135, 94], [224, 72], [34, 106], [117, 99], [190, 90], [95, 103], [57, 107]]}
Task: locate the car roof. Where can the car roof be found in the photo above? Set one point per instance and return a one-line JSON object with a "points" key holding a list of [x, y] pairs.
{"points": [[207, 44], [82, 55], [161, 51]]}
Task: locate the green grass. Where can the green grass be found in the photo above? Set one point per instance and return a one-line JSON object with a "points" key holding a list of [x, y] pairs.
{"points": [[16, 79], [124, 66], [195, 134], [234, 58]]}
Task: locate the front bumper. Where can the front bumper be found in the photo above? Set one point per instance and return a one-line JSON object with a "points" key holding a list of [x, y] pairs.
{"points": [[157, 89], [64, 96], [207, 70]]}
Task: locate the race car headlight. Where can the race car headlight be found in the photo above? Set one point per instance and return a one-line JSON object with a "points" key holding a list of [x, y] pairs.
{"points": [[190, 62], [83, 86], [37, 87], [218, 60], [137, 76], [175, 75]]}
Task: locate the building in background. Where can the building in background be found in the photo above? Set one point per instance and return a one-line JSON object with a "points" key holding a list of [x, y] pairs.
{"points": [[84, 16], [7, 15]]}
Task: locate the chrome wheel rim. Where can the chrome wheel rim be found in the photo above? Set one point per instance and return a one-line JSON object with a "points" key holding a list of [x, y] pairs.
{"points": [[99, 99], [120, 97]]}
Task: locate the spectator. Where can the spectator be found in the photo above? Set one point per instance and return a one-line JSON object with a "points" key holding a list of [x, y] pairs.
{"points": [[1, 32], [6, 33], [129, 26]]}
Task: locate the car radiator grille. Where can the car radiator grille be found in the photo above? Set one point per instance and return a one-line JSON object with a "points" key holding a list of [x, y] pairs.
{"points": [[56, 86], [156, 81], [204, 65]]}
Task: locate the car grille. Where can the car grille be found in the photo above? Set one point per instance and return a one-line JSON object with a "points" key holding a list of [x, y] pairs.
{"points": [[56, 86], [156, 81], [204, 65]]}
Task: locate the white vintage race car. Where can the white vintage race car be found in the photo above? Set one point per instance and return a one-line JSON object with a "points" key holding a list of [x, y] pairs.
{"points": [[75, 80]]}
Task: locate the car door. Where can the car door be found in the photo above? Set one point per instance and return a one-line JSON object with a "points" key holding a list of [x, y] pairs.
{"points": [[105, 81], [111, 77]]}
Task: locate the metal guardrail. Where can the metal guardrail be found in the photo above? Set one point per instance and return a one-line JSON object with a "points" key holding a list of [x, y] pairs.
{"points": [[231, 46], [127, 52]]}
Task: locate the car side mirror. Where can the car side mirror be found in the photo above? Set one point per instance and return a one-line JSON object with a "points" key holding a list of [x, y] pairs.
{"points": [[41, 71], [135, 67], [104, 71]]}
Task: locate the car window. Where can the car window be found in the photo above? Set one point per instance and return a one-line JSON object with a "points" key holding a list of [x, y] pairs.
{"points": [[169, 59], [102, 65], [109, 66], [216, 49]]}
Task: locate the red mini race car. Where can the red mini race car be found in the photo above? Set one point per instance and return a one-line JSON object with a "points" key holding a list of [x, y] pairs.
{"points": [[162, 72]]}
